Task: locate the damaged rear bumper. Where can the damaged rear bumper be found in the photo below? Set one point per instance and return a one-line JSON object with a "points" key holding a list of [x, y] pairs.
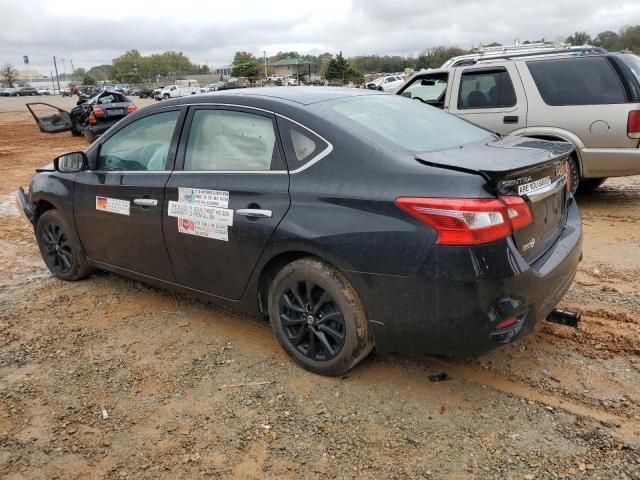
{"points": [[24, 204]]}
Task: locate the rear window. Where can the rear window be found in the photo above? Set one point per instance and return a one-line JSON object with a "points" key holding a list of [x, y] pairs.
{"points": [[633, 62], [577, 81], [408, 124]]}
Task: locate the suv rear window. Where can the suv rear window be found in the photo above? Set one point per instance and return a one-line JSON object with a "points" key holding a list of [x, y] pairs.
{"points": [[577, 81]]}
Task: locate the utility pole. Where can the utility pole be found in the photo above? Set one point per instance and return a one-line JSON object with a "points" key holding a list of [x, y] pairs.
{"points": [[64, 68], [55, 65], [264, 54], [52, 82], [72, 69]]}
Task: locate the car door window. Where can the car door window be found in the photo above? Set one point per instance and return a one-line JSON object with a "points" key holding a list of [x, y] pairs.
{"points": [[225, 140], [486, 89], [141, 145], [429, 89]]}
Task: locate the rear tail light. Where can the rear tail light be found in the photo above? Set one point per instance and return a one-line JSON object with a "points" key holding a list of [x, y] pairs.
{"points": [[98, 111], [92, 119], [633, 124], [469, 221], [132, 108]]}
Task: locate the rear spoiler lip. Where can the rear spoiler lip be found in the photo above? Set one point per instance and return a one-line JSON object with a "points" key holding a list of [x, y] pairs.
{"points": [[453, 167]]}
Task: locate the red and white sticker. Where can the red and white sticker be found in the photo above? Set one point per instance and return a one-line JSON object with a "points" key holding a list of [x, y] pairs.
{"points": [[203, 213], [113, 205]]}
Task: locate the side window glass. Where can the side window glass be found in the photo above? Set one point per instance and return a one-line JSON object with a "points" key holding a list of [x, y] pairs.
{"points": [[486, 89], [577, 81], [141, 145], [430, 89], [224, 140], [301, 145]]}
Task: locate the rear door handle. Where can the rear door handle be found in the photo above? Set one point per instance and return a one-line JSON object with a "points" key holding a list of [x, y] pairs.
{"points": [[511, 119], [146, 202], [254, 213]]}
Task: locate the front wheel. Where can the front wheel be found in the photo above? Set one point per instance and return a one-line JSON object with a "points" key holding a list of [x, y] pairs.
{"points": [[318, 317], [60, 252]]}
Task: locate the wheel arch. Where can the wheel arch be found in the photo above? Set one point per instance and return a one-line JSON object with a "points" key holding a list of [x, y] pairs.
{"points": [[271, 268], [559, 136]]}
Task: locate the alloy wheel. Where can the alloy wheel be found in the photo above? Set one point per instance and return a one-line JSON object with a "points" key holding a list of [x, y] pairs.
{"points": [[311, 320], [57, 248]]}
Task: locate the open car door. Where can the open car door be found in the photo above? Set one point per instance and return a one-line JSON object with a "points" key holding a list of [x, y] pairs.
{"points": [[50, 119]]}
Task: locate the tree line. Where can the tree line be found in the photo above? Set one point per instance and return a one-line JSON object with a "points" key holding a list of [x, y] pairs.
{"points": [[133, 67]]}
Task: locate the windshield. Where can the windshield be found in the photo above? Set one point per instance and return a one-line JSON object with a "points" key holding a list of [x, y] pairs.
{"points": [[410, 124], [633, 62]]}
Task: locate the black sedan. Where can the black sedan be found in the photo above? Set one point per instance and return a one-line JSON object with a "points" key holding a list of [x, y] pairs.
{"points": [[91, 117], [351, 218]]}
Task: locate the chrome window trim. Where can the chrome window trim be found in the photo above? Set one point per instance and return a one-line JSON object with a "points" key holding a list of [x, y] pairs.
{"points": [[310, 163]]}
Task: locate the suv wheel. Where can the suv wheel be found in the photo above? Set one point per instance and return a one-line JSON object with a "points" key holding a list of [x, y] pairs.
{"points": [[590, 184], [574, 174], [60, 252], [318, 317]]}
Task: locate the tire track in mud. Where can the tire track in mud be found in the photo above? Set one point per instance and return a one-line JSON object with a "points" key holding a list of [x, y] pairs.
{"points": [[627, 429]]}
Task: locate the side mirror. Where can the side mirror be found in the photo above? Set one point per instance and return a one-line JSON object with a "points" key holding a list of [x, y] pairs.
{"points": [[71, 162]]}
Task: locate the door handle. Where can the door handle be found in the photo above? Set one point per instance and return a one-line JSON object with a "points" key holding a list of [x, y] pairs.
{"points": [[511, 119], [146, 202], [254, 213]]}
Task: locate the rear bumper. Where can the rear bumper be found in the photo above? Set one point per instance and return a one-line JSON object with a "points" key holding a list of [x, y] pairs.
{"points": [[610, 162], [454, 303], [94, 131]]}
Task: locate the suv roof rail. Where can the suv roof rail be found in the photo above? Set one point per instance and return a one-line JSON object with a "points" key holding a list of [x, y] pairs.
{"points": [[511, 53], [522, 46]]}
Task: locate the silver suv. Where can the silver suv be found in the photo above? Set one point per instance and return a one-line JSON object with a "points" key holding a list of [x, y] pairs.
{"points": [[585, 96]]}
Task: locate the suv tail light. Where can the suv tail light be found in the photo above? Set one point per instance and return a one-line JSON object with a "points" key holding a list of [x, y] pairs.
{"points": [[469, 221], [132, 108], [633, 124]]}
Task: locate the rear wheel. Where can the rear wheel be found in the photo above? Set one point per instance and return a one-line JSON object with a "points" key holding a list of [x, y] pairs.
{"points": [[60, 252], [318, 317], [590, 184]]}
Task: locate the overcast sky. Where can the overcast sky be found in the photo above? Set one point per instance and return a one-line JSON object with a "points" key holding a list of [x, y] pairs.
{"points": [[93, 32]]}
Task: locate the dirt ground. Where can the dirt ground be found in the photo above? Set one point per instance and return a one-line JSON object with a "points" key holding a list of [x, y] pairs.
{"points": [[108, 378]]}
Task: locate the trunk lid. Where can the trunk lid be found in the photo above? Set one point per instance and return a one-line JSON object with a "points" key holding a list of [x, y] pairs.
{"points": [[530, 168]]}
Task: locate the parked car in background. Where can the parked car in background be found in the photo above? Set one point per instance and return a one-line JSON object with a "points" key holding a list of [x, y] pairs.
{"points": [[390, 83], [291, 81], [230, 85], [27, 91], [145, 93], [182, 88], [9, 92], [44, 91], [580, 95], [91, 117], [351, 219]]}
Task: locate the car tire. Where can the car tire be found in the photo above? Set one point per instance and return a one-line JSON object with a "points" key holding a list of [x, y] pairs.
{"points": [[590, 184], [325, 329], [62, 255], [574, 174]]}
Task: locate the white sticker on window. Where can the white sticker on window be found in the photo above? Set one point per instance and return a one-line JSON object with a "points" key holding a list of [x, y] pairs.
{"points": [[113, 205], [203, 213]]}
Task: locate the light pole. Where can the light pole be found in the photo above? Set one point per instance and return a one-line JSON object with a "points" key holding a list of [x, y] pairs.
{"points": [[264, 54]]}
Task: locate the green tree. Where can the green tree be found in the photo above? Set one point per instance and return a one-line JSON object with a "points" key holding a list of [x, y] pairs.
{"points": [[579, 38], [630, 38], [243, 57], [608, 40], [437, 56], [101, 72], [78, 74], [88, 80], [337, 68], [9, 74]]}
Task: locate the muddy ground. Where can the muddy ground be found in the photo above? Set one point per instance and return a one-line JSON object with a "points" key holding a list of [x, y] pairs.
{"points": [[191, 391]]}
